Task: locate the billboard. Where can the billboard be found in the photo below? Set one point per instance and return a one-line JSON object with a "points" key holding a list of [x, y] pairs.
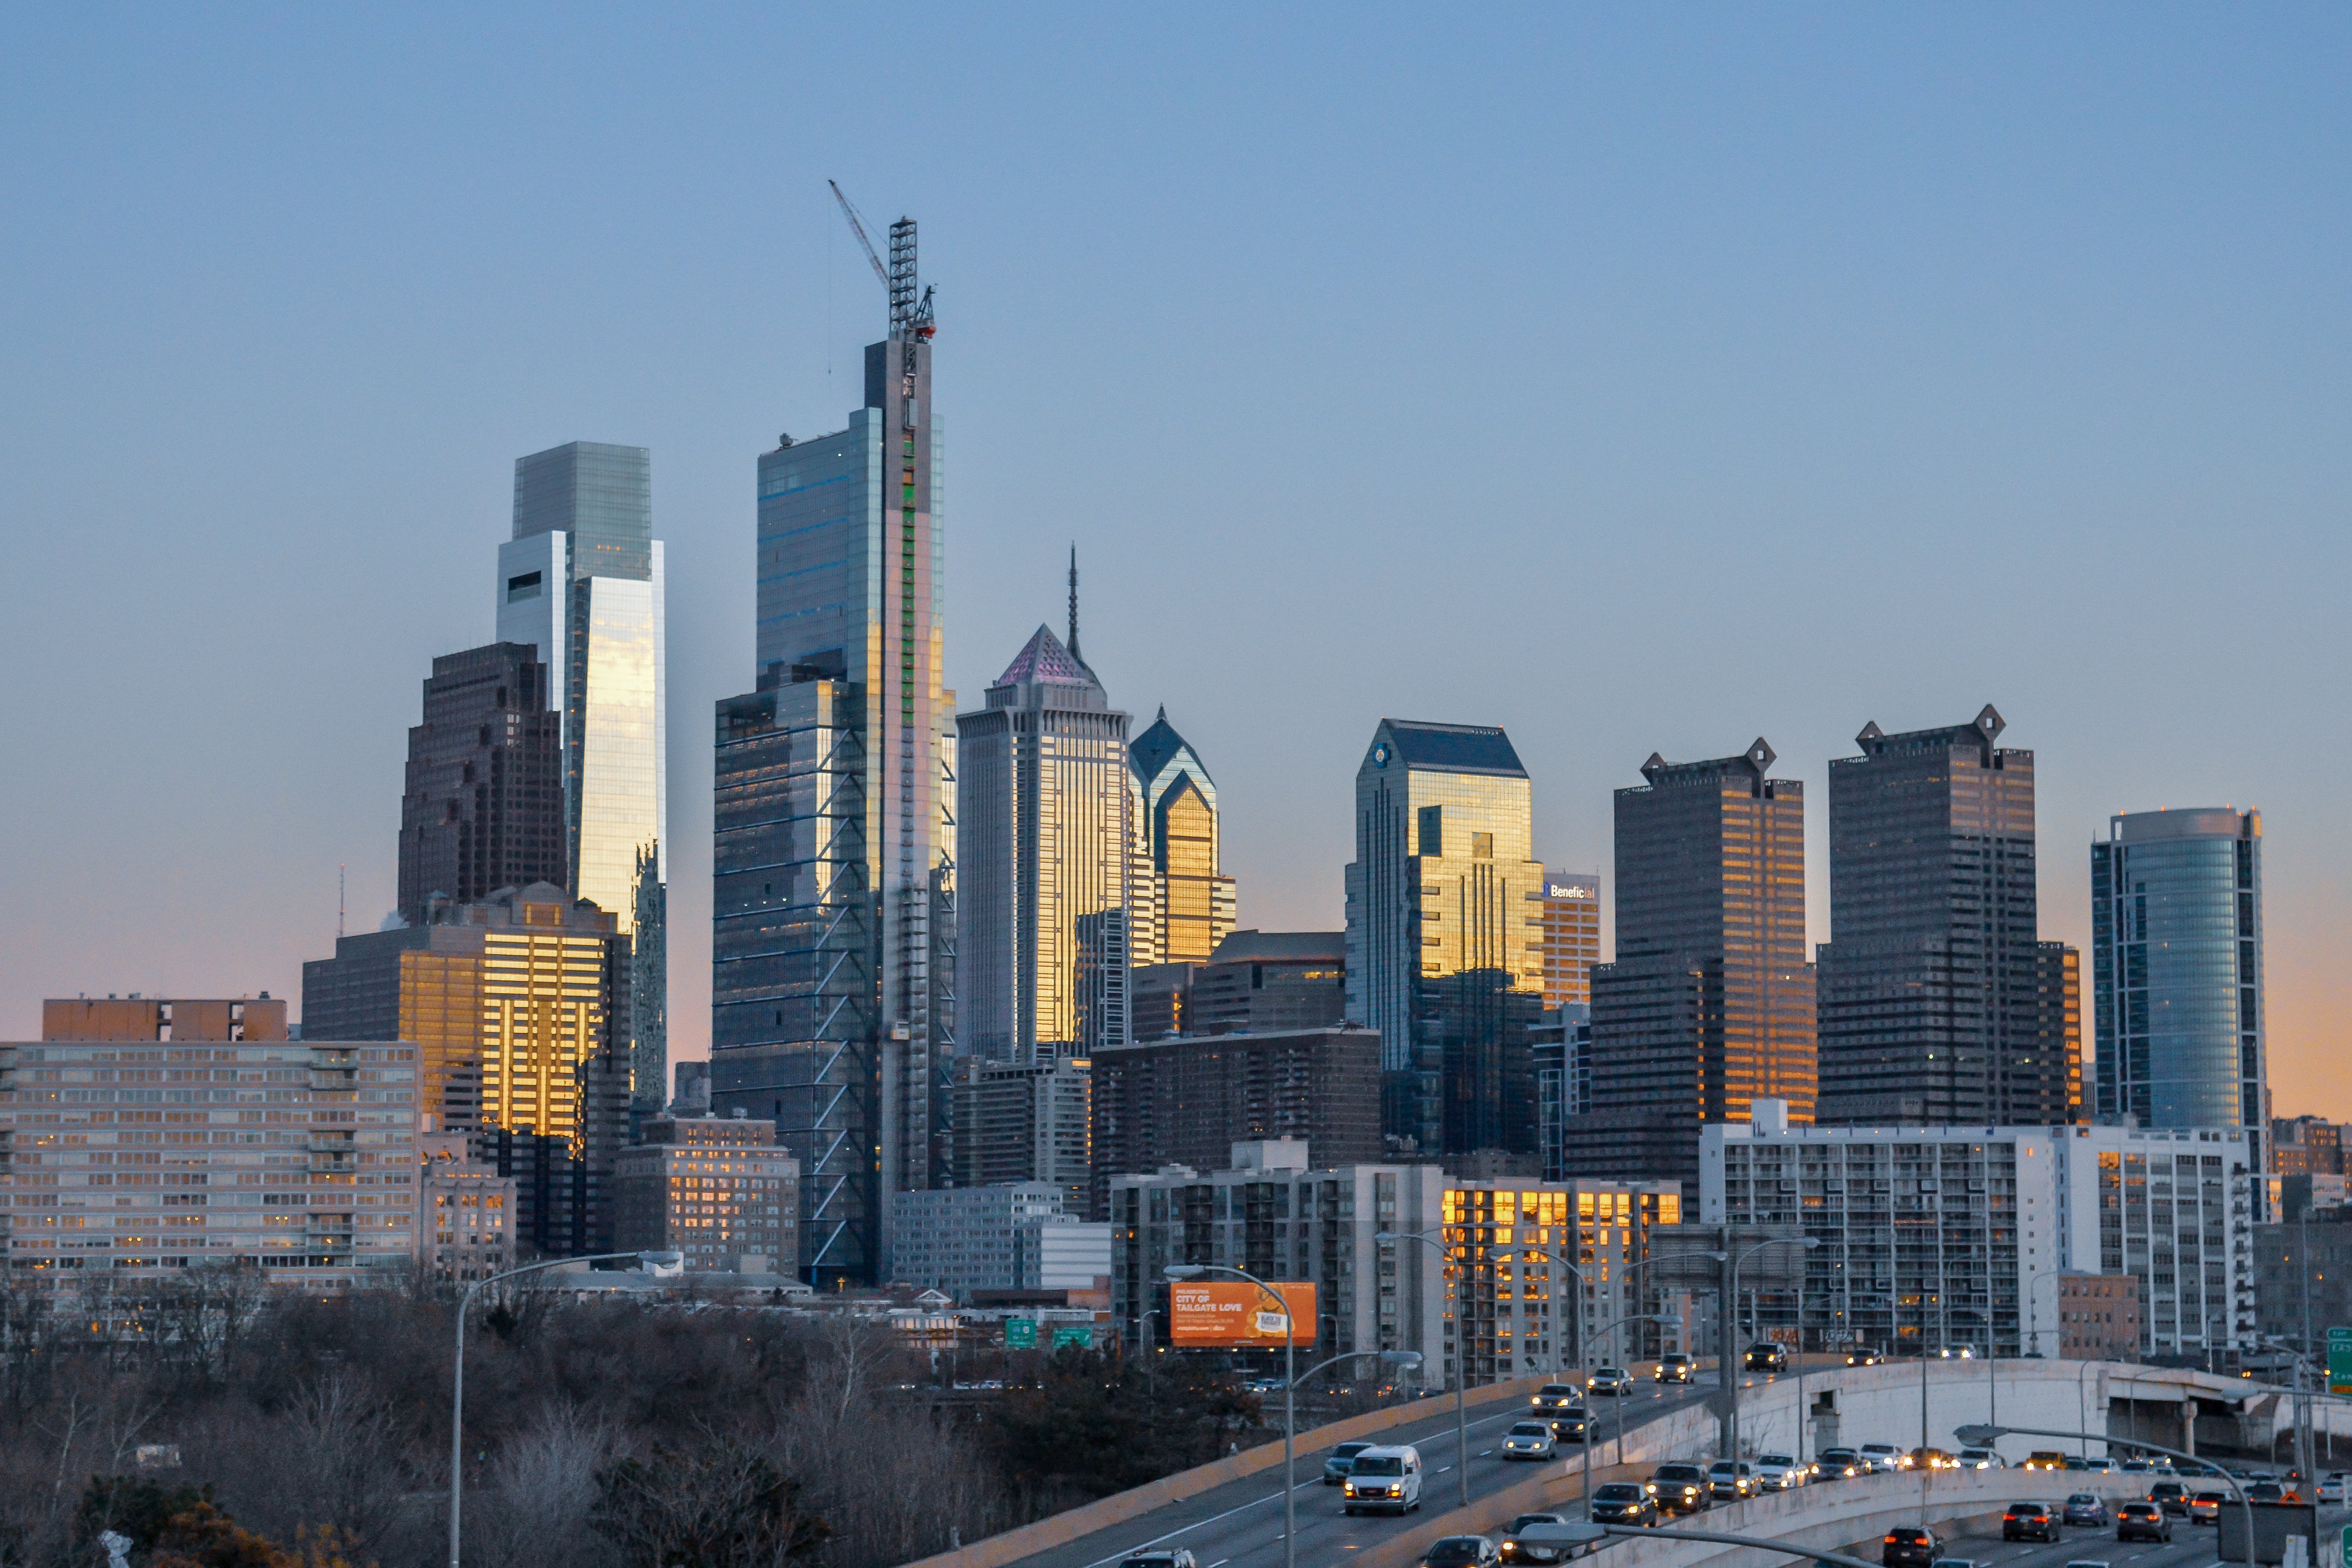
{"points": [[1234, 1313]]}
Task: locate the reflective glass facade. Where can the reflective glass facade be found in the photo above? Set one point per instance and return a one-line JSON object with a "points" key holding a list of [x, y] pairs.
{"points": [[1444, 934], [1184, 906], [1572, 936], [2177, 969]]}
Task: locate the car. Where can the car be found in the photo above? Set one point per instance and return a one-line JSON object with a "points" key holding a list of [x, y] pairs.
{"points": [[2088, 1508], [1555, 1396], [1548, 1539], [1982, 1459], [1385, 1479], [1525, 1520], [2097, 1464], [1613, 1380], [1177, 1559], [1929, 1459], [1880, 1457], [1910, 1546], [2172, 1497], [1528, 1440], [2031, 1521], [2136, 1467], [1675, 1367], [2332, 1488], [2143, 1521], [1843, 1464], [1335, 1462], [2045, 1460], [2265, 1491], [1623, 1502], [1570, 1426], [1957, 1353], [1863, 1356], [1460, 1552], [1679, 1489], [1779, 1473], [2205, 1507], [1727, 1482], [1766, 1356]]}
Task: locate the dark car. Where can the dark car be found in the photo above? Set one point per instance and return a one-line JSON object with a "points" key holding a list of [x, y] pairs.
{"points": [[1555, 1396], [2088, 1508], [2031, 1521], [1675, 1367], [1177, 1559], [1460, 1552], [1512, 1550], [1622, 1503], [1910, 1546], [1863, 1356], [2265, 1491], [1541, 1544], [1337, 1462], [2172, 1497], [1679, 1489], [1843, 1464], [2143, 1521], [1765, 1356], [1571, 1425], [1730, 1482]]}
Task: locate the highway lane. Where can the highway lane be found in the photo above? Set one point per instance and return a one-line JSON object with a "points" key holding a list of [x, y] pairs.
{"points": [[2193, 1546], [1239, 1525]]}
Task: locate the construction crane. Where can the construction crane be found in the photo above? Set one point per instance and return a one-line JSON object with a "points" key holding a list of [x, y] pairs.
{"points": [[911, 317]]}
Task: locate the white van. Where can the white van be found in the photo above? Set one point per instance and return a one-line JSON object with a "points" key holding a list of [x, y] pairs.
{"points": [[1385, 1478]]}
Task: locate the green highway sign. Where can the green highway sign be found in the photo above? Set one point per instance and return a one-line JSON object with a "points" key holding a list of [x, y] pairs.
{"points": [[1020, 1333], [1080, 1334], [2339, 1360]]}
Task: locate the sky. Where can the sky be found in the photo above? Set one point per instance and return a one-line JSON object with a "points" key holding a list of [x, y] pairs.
{"points": [[1641, 379]]}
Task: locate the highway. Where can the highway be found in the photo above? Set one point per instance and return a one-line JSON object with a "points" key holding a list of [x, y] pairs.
{"points": [[2193, 1546], [1239, 1525]]}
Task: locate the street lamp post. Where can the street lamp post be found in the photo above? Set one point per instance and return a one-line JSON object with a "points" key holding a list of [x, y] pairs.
{"points": [[1987, 1435], [1289, 1394], [1730, 1308], [1461, 1376], [457, 1387]]}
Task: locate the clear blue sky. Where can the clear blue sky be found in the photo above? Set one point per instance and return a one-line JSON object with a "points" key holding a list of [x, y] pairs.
{"points": [[1641, 379]]}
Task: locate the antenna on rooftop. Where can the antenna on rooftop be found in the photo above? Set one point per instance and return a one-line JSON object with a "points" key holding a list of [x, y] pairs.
{"points": [[338, 902], [1074, 603]]}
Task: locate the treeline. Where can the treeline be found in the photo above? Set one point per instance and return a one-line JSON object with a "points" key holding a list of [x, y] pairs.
{"points": [[606, 1434]]}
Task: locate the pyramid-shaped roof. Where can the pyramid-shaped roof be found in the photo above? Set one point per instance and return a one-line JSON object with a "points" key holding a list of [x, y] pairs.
{"points": [[1044, 660], [1152, 751]]}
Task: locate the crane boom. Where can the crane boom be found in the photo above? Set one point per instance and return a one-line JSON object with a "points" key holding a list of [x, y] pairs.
{"points": [[858, 229]]}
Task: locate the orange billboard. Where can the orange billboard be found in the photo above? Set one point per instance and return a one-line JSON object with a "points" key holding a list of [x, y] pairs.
{"points": [[1233, 1312]]}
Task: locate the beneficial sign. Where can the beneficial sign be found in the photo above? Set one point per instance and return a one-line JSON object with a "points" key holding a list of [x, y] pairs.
{"points": [[1233, 1313]]}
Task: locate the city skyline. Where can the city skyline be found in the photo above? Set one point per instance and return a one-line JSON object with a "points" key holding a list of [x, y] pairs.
{"points": [[2020, 413]]}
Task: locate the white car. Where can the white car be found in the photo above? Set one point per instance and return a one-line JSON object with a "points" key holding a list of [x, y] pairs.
{"points": [[1385, 1479], [1982, 1459], [1528, 1440], [2331, 1487], [1778, 1472], [1882, 1459]]}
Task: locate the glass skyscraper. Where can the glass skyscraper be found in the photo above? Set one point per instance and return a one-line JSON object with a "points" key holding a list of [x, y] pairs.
{"points": [[1184, 905], [833, 904], [1445, 935], [1046, 819], [2177, 969]]}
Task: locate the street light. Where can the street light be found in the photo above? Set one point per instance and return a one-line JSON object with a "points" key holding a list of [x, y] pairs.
{"points": [[1731, 1312], [1289, 1392], [1987, 1435], [458, 1390], [1461, 1376]]}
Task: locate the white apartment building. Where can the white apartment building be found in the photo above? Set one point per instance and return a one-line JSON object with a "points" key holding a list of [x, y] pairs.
{"points": [[1955, 1236], [1013, 1237]]}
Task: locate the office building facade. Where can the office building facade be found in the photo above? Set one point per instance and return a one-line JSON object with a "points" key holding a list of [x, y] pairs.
{"points": [[2099, 1319], [1270, 982], [1046, 820], [482, 806], [834, 929], [1187, 1100], [1930, 991], [1183, 904], [1572, 936], [716, 1190], [156, 1135], [2177, 969], [1444, 955], [1024, 1122], [1010, 1237], [1708, 1005], [465, 1212]]}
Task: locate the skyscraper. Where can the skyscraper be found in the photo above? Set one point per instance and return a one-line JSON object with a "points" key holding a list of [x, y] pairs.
{"points": [[483, 804], [2177, 969], [1445, 948], [1709, 1002], [1045, 813], [1931, 990], [833, 984], [1184, 906], [1572, 936]]}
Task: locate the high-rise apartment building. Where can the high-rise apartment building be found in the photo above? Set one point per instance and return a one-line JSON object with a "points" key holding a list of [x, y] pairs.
{"points": [[1183, 905], [715, 1190], [1017, 1236], [2177, 969], [1445, 947], [1931, 988], [1025, 1121], [1045, 821], [834, 988], [1709, 1002], [145, 1135], [511, 1001], [483, 805], [1572, 936]]}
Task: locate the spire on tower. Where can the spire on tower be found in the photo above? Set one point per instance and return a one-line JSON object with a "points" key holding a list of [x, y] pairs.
{"points": [[1074, 604]]}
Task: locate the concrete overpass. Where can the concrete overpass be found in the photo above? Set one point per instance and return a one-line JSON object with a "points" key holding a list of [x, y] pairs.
{"points": [[1229, 1514]]}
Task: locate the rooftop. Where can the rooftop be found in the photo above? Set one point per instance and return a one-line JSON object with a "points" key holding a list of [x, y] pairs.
{"points": [[1453, 748], [1043, 660]]}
